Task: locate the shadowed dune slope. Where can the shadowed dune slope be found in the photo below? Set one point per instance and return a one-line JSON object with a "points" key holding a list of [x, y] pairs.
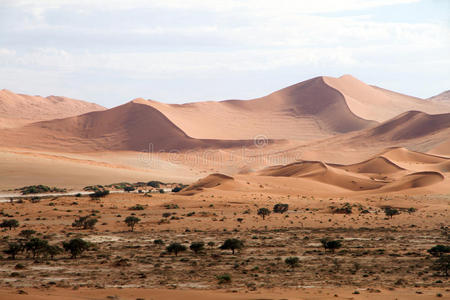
{"points": [[131, 126], [414, 180], [374, 103], [19, 109]]}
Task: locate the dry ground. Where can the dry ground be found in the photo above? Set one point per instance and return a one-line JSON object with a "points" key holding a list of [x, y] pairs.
{"points": [[379, 256]]}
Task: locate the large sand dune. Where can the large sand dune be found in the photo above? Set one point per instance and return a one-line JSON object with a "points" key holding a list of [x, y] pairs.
{"points": [[19, 109]]}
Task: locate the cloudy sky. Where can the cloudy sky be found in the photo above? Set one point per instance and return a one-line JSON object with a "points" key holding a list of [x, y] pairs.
{"points": [[175, 51]]}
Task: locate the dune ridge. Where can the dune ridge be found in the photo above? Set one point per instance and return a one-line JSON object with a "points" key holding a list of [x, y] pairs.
{"points": [[19, 109]]}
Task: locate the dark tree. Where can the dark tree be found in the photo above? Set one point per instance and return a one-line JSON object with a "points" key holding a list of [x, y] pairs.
{"points": [[390, 212], [197, 246], [232, 244], [86, 222], [131, 221], [99, 193], [36, 246], [331, 245], [13, 249], [292, 261], [52, 251], [12, 223], [76, 247], [280, 208], [175, 248], [263, 212]]}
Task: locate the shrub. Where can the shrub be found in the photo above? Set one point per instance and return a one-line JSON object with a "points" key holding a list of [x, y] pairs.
{"points": [[197, 246], [390, 212], [99, 193], [158, 242], [27, 233], [331, 245], [439, 250], [175, 248], [263, 212], [232, 244], [344, 209], [76, 247], [38, 189], [86, 222], [12, 223], [224, 278], [137, 207], [128, 189], [154, 184], [280, 208], [131, 221], [292, 261]]}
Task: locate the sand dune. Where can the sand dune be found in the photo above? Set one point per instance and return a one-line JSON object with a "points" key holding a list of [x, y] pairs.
{"points": [[19, 109], [410, 125], [414, 180], [376, 165], [132, 126], [442, 148], [393, 170], [444, 97], [305, 111], [374, 103], [211, 181]]}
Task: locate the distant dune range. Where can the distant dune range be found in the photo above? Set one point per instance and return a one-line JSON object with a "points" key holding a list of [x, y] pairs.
{"points": [[321, 129], [19, 109]]}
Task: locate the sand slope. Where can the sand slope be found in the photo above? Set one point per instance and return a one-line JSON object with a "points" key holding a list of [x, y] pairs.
{"points": [[19, 109], [374, 103]]}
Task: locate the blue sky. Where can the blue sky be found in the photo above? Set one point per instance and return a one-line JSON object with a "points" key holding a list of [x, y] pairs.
{"points": [[176, 51]]}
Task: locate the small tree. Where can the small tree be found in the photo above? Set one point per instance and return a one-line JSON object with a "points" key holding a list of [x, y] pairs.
{"points": [[99, 193], [331, 245], [292, 261], [12, 223], [439, 250], [390, 212], [27, 233], [175, 248], [52, 251], [36, 246], [197, 246], [232, 244], [86, 222], [280, 208], [76, 247], [224, 278], [263, 212], [13, 249], [131, 221]]}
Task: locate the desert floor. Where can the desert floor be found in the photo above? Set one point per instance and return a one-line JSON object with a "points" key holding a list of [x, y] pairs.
{"points": [[379, 258]]}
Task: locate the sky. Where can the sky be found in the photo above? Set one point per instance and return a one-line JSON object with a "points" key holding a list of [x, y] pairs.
{"points": [[177, 51]]}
